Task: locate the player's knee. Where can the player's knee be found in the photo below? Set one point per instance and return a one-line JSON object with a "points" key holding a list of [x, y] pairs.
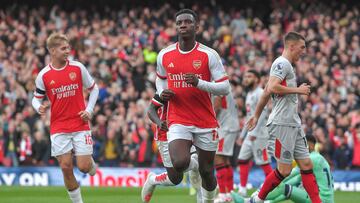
{"points": [[85, 168], [305, 164], [284, 171], [66, 168], [181, 165]]}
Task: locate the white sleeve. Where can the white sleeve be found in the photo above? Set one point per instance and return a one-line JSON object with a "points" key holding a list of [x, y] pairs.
{"points": [[36, 103], [160, 70], [87, 80], [161, 84], [216, 67], [216, 88], [92, 99], [40, 87], [280, 70]]}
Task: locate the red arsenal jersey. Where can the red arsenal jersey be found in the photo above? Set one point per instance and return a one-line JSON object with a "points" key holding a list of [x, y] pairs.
{"points": [[190, 106], [64, 89]]}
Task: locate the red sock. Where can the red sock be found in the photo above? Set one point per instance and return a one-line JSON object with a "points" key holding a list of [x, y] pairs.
{"points": [[267, 169], [310, 185], [221, 171], [244, 172], [230, 179], [271, 181]]}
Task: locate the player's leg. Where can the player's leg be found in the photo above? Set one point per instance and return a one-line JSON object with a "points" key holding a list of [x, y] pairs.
{"points": [[61, 146], [244, 165], [302, 157], [180, 142], [206, 145], [296, 194], [169, 178], [281, 146], [83, 149], [224, 170]]}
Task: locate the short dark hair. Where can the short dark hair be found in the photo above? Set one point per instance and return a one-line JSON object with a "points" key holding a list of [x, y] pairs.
{"points": [[293, 36], [311, 138], [257, 74], [188, 11]]}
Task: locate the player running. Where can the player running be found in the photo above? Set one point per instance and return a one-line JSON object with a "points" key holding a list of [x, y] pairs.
{"points": [[227, 115], [62, 81], [188, 69], [157, 113], [286, 136], [291, 187], [254, 142]]}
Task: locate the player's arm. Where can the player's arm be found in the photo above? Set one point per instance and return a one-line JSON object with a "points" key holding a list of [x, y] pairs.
{"points": [[275, 87], [264, 99], [39, 94], [155, 104], [89, 83], [220, 86], [217, 104]]}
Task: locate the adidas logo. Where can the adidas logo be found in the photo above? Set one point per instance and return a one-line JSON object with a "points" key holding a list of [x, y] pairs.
{"points": [[171, 65], [52, 82]]}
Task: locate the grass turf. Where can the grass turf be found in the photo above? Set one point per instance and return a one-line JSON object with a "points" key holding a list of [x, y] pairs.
{"points": [[116, 195]]}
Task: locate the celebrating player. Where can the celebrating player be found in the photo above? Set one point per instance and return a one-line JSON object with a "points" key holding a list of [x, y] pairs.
{"points": [[286, 137], [62, 81], [253, 142], [157, 113], [289, 188], [227, 115], [188, 69]]}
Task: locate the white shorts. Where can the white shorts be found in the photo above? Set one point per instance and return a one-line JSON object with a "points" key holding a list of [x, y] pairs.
{"points": [[226, 142], [62, 143], [163, 147], [205, 138]]}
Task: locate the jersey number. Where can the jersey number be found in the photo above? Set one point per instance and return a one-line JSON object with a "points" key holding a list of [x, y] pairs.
{"points": [[88, 140], [328, 176]]}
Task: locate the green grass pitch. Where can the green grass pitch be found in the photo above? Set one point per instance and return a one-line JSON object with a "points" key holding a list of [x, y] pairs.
{"points": [[116, 195]]}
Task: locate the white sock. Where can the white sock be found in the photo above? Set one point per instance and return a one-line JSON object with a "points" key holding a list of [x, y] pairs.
{"points": [[75, 195], [194, 164], [162, 179], [208, 196]]}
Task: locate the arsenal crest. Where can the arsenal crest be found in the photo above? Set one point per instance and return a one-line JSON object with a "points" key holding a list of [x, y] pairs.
{"points": [[72, 76], [196, 64]]}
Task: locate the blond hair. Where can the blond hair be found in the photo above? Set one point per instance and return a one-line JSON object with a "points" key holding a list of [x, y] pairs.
{"points": [[55, 39]]}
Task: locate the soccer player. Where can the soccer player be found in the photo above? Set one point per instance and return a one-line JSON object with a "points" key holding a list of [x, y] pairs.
{"points": [[253, 142], [62, 81], [290, 188], [227, 115], [188, 69], [286, 137], [157, 113]]}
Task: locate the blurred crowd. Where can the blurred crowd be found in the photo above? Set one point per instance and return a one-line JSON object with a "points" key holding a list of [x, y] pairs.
{"points": [[119, 48]]}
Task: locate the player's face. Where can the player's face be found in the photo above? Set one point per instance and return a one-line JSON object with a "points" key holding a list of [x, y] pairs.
{"points": [[61, 52], [185, 25], [299, 49], [249, 80]]}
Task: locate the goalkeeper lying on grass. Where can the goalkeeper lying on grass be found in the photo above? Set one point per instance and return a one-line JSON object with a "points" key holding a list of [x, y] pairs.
{"points": [[292, 189]]}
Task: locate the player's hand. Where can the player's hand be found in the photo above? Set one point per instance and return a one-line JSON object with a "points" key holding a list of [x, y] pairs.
{"points": [[304, 89], [163, 126], [252, 138], [43, 107], [192, 79], [166, 95], [251, 123], [85, 116]]}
